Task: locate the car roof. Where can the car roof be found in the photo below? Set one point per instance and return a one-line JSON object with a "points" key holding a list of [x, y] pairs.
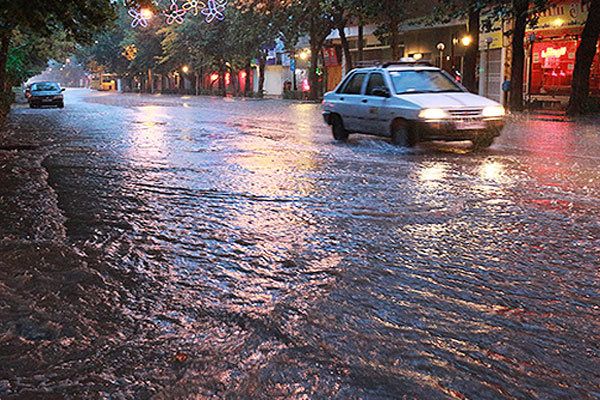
{"points": [[399, 67]]}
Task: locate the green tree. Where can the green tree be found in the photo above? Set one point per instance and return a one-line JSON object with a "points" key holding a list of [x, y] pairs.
{"points": [[77, 19], [389, 14], [29, 54]]}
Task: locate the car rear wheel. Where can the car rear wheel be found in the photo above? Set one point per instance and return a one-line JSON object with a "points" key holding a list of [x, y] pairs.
{"points": [[402, 134], [61, 105], [337, 128], [483, 142]]}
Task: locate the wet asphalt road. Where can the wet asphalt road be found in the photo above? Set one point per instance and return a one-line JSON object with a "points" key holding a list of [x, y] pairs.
{"points": [[196, 248]]}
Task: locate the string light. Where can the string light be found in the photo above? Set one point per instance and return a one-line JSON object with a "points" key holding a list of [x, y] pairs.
{"points": [[174, 14], [193, 6], [214, 10], [139, 17], [210, 9]]}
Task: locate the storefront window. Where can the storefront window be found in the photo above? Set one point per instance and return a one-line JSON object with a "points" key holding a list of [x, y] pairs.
{"points": [[552, 68]]}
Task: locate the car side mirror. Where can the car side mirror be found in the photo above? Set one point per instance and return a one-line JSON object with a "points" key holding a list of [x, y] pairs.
{"points": [[381, 91], [62, 90]]}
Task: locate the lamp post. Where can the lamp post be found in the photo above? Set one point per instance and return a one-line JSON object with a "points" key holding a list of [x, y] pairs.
{"points": [[488, 42], [441, 46], [452, 50], [466, 42]]}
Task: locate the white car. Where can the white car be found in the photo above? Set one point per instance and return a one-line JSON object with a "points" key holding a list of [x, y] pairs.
{"points": [[410, 102]]}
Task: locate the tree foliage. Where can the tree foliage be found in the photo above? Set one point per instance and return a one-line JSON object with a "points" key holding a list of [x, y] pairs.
{"points": [[45, 25]]}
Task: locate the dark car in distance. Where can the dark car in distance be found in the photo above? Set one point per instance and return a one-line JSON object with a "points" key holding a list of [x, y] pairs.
{"points": [[45, 94]]}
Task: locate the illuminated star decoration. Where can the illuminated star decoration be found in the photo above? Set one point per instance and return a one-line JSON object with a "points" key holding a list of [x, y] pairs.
{"points": [[193, 6], [214, 10], [174, 14], [138, 18]]}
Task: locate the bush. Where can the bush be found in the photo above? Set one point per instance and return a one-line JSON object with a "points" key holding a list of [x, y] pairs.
{"points": [[6, 99], [295, 95]]}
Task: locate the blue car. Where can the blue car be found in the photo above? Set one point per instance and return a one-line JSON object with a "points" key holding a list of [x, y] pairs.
{"points": [[45, 94]]}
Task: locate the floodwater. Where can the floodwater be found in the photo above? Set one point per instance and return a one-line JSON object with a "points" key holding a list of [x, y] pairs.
{"points": [[163, 247]]}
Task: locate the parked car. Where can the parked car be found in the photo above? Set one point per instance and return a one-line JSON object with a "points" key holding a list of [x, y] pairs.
{"points": [[45, 94], [409, 102]]}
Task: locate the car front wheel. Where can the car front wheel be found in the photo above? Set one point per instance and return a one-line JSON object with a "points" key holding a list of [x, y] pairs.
{"points": [[337, 128], [483, 142], [402, 134]]}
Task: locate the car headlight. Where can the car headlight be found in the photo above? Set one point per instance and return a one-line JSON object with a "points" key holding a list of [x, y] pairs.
{"points": [[433, 113], [493, 111]]}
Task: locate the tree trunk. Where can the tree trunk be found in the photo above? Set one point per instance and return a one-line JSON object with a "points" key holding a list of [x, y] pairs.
{"points": [[518, 55], [341, 24], [394, 39], [262, 66], [150, 81], [361, 42], [470, 63], [580, 85], [222, 86], [4, 46], [313, 78], [248, 82]]}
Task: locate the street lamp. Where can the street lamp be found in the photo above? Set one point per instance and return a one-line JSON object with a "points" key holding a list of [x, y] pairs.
{"points": [[185, 69], [304, 55], [441, 46], [466, 40], [146, 13]]}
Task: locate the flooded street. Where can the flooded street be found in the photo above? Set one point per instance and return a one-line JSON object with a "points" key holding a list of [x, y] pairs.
{"points": [[164, 247]]}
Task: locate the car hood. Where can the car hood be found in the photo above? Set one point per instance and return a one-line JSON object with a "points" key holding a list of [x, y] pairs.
{"points": [[448, 100], [46, 93]]}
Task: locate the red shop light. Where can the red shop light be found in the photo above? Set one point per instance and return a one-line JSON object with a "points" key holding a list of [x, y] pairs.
{"points": [[214, 77], [552, 52], [227, 78], [305, 85]]}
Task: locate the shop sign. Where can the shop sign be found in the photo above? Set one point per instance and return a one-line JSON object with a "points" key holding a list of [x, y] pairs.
{"points": [[491, 38], [330, 57], [552, 52], [563, 14]]}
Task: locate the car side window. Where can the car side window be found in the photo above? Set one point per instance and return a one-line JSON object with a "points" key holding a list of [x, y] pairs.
{"points": [[355, 84], [376, 80], [344, 83]]}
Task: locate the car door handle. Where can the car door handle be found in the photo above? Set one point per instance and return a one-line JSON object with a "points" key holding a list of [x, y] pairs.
{"points": [[341, 99], [365, 100]]}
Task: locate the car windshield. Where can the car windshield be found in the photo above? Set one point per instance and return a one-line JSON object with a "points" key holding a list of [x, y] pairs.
{"points": [[44, 87], [422, 81]]}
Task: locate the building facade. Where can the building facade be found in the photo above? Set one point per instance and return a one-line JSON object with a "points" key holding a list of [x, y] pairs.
{"points": [[550, 50]]}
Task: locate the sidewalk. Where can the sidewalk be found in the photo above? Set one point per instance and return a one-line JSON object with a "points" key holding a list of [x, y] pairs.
{"points": [[28, 205], [554, 116], [52, 294]]}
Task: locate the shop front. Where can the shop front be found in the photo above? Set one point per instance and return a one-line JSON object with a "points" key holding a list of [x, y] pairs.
{"points": [[551, 49]]}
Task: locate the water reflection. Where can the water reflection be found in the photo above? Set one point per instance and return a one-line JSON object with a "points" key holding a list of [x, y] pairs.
{"points": [[148, 133], [248, 256], [433, 175]]}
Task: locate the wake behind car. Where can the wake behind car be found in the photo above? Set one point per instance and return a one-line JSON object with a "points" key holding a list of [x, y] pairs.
{"points": [[410, 102], [45, 94]]}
